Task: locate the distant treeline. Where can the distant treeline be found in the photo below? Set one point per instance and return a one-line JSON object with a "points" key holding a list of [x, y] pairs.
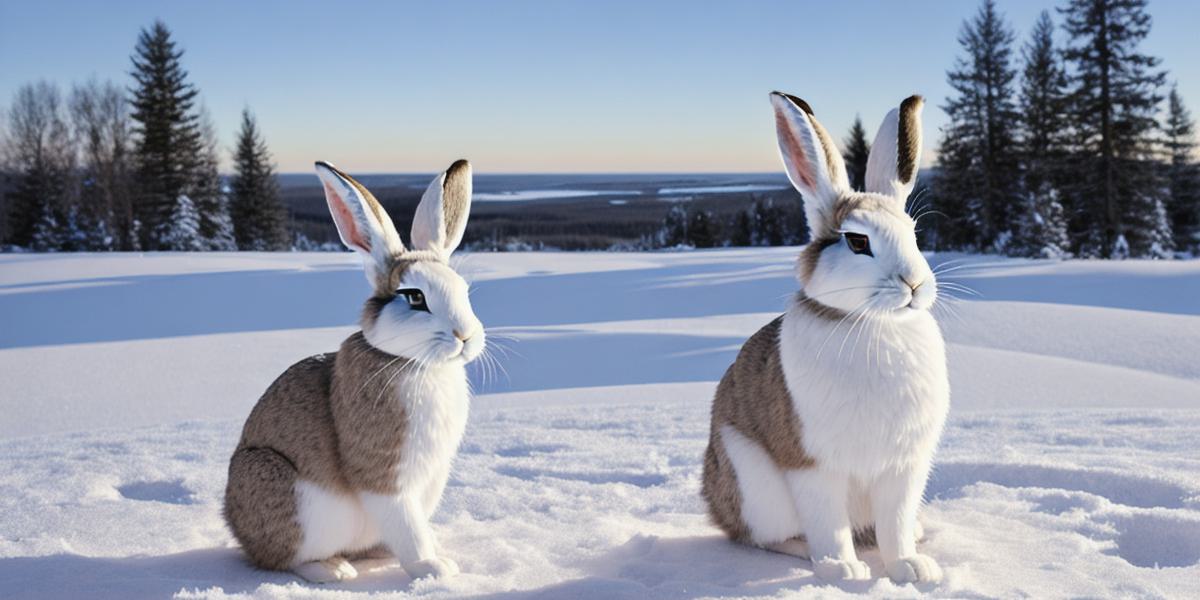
{"points": [[103, 168]]}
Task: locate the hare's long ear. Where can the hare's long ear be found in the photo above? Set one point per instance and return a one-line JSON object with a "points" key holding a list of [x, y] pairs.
{"points": [[892, 165], [361, 221], [812, 160], [442, 214]]}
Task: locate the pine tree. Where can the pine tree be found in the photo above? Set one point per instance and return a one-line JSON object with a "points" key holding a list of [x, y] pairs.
{"points": [[1183, 174], [856, 154], [259, 218], [674, 229], [977, 185], [208, 192], [1115, 190], [168, 143], [1042, 227]]}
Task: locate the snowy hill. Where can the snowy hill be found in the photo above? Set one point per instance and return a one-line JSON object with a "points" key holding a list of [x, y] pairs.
{"points": [[1070, 466]]}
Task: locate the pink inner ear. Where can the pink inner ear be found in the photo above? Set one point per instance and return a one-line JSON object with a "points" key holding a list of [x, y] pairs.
{"points": [[345, 219], [795, 151]]}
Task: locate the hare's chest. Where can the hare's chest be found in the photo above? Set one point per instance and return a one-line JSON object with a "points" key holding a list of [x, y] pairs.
{"points": [[436, 409], [873, 406]]}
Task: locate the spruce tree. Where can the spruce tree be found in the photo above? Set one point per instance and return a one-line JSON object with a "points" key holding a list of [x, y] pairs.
{"points": [[1116, 191], [856, 154], [1183, 174], [977, 186], [181, 231], [259, 218], [1042, 227], [168, 137]]}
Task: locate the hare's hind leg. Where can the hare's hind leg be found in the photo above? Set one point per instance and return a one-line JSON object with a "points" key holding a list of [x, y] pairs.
{"points": [[260, 507], [767, 507]]}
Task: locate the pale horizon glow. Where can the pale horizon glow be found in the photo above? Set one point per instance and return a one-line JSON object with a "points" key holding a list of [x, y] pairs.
{"points": [[528, 87]]}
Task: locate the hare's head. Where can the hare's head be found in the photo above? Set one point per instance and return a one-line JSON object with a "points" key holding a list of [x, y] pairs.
{"points": [[420, 308], [862, 252]]}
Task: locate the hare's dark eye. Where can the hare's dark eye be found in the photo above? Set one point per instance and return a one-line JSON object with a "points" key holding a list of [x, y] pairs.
{"points": [[414, 297], [858, 243]]}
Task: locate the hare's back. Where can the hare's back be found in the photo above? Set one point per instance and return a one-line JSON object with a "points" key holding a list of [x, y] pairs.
{"points": [[293, 418], [753, 398]]}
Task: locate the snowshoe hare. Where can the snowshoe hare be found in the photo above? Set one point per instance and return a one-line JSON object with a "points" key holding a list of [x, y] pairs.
{"points": [[346, 454], [820, 438]]}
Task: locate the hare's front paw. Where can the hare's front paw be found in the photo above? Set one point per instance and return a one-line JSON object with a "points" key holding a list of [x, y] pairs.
{"points": [[432, 567], [835, 569], [916, 568]]}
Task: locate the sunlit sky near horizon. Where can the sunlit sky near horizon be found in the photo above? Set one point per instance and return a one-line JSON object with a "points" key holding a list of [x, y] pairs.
{"points": [[533, 87]]}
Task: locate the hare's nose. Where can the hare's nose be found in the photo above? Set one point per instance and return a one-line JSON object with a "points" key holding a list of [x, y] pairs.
{"points": [[460, 336], [911, 286]]}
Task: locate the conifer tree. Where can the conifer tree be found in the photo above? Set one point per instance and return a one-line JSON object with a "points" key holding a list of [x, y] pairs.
{"points": [[977, 186], [181, 231], [259, 218], [1042, 227], [168, 137], [856, 154], [1116, 190], [1183, 174]]}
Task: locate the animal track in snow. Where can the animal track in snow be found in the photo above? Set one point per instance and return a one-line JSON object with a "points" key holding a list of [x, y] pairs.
{"points": [[948, 479], [170, 492]]}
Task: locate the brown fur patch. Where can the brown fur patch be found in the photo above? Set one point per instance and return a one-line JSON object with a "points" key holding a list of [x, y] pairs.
{"points": [[455, 200], [753, 398], [908, 138], [329, 419]]}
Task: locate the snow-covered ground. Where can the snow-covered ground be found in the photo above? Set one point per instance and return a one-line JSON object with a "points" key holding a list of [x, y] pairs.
{"points": [[1070, 466]]}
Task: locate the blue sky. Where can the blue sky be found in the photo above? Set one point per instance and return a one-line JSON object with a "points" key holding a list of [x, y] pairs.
{"points": [[569, 86]]}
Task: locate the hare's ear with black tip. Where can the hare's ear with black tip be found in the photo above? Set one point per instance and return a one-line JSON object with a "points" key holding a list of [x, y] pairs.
{"points": [[361, 221], [441, 216], [896, 153], [813, 162]]}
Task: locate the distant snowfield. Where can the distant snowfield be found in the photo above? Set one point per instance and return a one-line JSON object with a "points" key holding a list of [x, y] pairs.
{"points": [[1070, 466]]}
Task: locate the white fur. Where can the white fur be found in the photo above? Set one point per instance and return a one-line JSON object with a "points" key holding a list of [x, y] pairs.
{"points": [[330, 523], [767, 505], [429, 337], [327, 571]]}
